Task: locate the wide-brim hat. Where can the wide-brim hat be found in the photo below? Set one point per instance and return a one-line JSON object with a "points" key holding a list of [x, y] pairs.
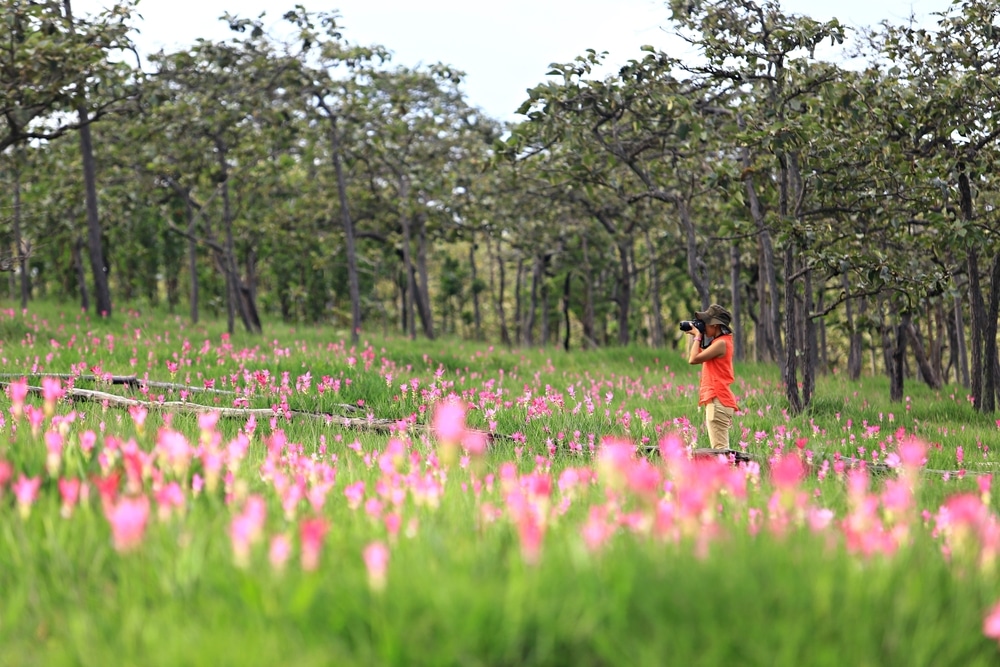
{"points": [[715, 314]]}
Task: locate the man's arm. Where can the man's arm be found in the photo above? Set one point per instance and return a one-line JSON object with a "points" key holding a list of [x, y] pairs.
{"points": [[715, 349]]}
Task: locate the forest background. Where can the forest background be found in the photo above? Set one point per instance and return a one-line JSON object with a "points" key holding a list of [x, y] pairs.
{"points": [[846, 215]]}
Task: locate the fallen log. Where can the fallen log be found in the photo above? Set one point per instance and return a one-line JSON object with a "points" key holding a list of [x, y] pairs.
{"points": [[126, 380], [362, 423]]}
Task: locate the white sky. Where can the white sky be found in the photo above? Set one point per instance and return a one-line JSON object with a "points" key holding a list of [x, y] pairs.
{"points": [[504, 47]]}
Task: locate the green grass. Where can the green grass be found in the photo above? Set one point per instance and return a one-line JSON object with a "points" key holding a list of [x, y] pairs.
{"points": [[459, 591]]}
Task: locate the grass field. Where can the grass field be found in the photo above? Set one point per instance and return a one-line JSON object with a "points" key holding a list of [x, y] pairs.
{"points": [[485, 507]]}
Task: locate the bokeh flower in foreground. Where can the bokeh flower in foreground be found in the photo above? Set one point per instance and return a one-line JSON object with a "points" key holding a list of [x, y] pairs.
{"points": [[376, 556]]}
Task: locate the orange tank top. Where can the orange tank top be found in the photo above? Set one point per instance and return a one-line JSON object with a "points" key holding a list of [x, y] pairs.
{"points": [[716, 376]]}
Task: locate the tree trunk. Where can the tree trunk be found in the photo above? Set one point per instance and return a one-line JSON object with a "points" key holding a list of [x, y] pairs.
{"points": [[502, 284], [423, 287], [624, 292], [763, 334], [354, 284], [99, 268], [529, 325], [991, 381], [695, 264], [654, 294], [81, 272], [959, 346], [824, 359], [926, 369], [977, 310], [896, 358], [977, 307], [545, 302], [935, 336], [565, 305], [770, 311], [855, 352], [789, 369], [589, 332], [476, 316], [192, 255], [231, 296], [408, 293], [736, 296], [810, 358], [19, 243], [518, 315]]}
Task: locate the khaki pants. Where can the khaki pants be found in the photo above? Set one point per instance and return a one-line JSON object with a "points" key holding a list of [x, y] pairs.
{"points": [[718, 419]]}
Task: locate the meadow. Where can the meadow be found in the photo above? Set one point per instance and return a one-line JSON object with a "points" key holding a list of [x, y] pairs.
{"points": [[293, 499]]}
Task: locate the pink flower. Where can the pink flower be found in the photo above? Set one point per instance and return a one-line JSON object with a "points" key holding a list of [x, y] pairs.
{"points": [[52, 391], [531, 531], [6, 472], [26, 492], [138, 414], [376, 556], [246, 528], [18, 392], [54, 447], [128, 519], [87, 440], [35, 419], [913, 453], [392, 524], [787, 472], [69, 490], [449, 421], [279, 552], [614, 460], [174, 451], [991, 623], [311, 534], [474, 442], [355, 493], [169, 499], [597, 529]]}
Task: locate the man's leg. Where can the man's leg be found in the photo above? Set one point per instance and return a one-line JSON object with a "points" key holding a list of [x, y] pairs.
{"points": [[718, 418]]}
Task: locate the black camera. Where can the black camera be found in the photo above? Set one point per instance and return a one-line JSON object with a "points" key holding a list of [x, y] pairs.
{"points": [[687, 325]]}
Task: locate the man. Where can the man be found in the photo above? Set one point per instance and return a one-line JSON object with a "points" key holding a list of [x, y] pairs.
{"points": [[716, 373]]}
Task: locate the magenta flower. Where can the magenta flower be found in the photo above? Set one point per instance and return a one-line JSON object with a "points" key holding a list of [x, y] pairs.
{"points": [[913, 453], [597, 529], [376, 556], [787, 472], [52, 391], [279, 552], [312, 532], [128, 518], [243, 532], [87, 440], [26, 492], [614, 459], [169, 499], [138, 414], [355, 493], [35, 419], [53, 457], [449, 421], [991, 623], [69, 490], [531, 531], [475, 442], [6, 472], [18, 392], [174, 451]]}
